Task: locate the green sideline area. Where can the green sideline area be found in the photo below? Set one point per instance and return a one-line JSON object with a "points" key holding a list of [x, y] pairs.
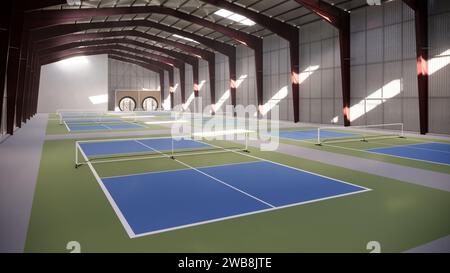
{"points": [[69, 205], [358, 149]]}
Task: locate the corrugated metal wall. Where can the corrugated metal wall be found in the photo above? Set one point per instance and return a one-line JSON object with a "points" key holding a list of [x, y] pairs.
{"points": [[383, 67], [320, 76], [123, 75], [439, 66]]}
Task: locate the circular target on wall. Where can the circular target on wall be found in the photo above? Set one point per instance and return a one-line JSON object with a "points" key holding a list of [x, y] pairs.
{"points": [[150, 104], [127, 104]]}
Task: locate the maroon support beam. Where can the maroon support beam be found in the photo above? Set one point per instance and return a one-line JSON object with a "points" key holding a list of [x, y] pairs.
{"points": [[13, 62], [111, 49], [106, 43], [44, 18], [95, 50], [122, 59], [286, 31], [33, 4], [420, 8], [176, 63], [341, 20], [63, 31], [144, 65], [4, 43]]}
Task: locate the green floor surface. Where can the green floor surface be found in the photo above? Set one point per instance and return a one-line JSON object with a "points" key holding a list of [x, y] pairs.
{"points": [[69, 205]]}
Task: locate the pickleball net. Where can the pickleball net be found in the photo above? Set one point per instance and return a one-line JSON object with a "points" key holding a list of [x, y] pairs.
{"points": [[127, 149]]}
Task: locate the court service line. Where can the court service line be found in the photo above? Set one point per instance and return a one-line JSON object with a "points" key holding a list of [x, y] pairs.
{"points": [[409, 146], [212, 177], [372, 152], [248, 213]]}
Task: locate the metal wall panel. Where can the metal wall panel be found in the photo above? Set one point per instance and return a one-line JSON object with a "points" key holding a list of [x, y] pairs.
{"points": [[393, 42], [358, 21], [393, 12], [375, 45], [440, 115], [374, 78], [358, 48]]}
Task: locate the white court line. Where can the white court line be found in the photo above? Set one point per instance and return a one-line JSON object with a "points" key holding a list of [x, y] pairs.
{"points": [[68, 129], [212, 177], [177, 170], [378, 153], [113, 204], [166, 122], [409, 146], [371, 152], [132, 235], [246, 214], [107, 127]]}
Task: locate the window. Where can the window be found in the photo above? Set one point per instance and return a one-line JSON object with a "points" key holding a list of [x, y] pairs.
{"points": [[127, 104], [150, 104]]}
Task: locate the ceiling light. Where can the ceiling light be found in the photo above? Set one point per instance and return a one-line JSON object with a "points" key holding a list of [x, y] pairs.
{"points": [[74, 2], [185, 38], [234, 17]]}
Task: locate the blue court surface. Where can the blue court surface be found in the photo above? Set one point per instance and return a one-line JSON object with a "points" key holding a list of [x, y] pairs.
{"points": [[93, 121], [311, 134], [68, 116], [432, 152], [104, 127], [161, 201], [117, 147]]}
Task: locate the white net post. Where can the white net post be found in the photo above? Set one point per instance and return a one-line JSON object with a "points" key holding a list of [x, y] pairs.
{"points": [[246, 141], [318, 137]]}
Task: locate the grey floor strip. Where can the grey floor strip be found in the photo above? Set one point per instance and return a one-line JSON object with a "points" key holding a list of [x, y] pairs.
{"points": [[441, 245], [421, 177], [20, 157]]}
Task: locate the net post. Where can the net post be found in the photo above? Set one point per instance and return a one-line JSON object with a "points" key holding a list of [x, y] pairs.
{"points": [[171, 152], [318, 143], [246, 141], [402, 135]]}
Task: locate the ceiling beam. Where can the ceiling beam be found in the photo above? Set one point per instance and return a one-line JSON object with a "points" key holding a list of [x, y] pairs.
{"points": [[48, 18], [187, 49], [99, 50], [5, 26], [420, 8], [45, 18], [230, 51], [340, 19], [119, 58], [14, 61], [161, 75], [286, 31], [33, 4]]}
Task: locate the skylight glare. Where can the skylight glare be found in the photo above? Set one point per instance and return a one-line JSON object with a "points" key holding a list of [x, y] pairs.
{"points": [[234, 17]]}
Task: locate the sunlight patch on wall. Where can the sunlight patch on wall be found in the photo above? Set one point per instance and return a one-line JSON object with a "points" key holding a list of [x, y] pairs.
{"points": [[274, 100], [100, 99], [376, 98], [307, 72], [440, 61], [189, 101], [225, 96], [241, 79], [70, 62]]}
